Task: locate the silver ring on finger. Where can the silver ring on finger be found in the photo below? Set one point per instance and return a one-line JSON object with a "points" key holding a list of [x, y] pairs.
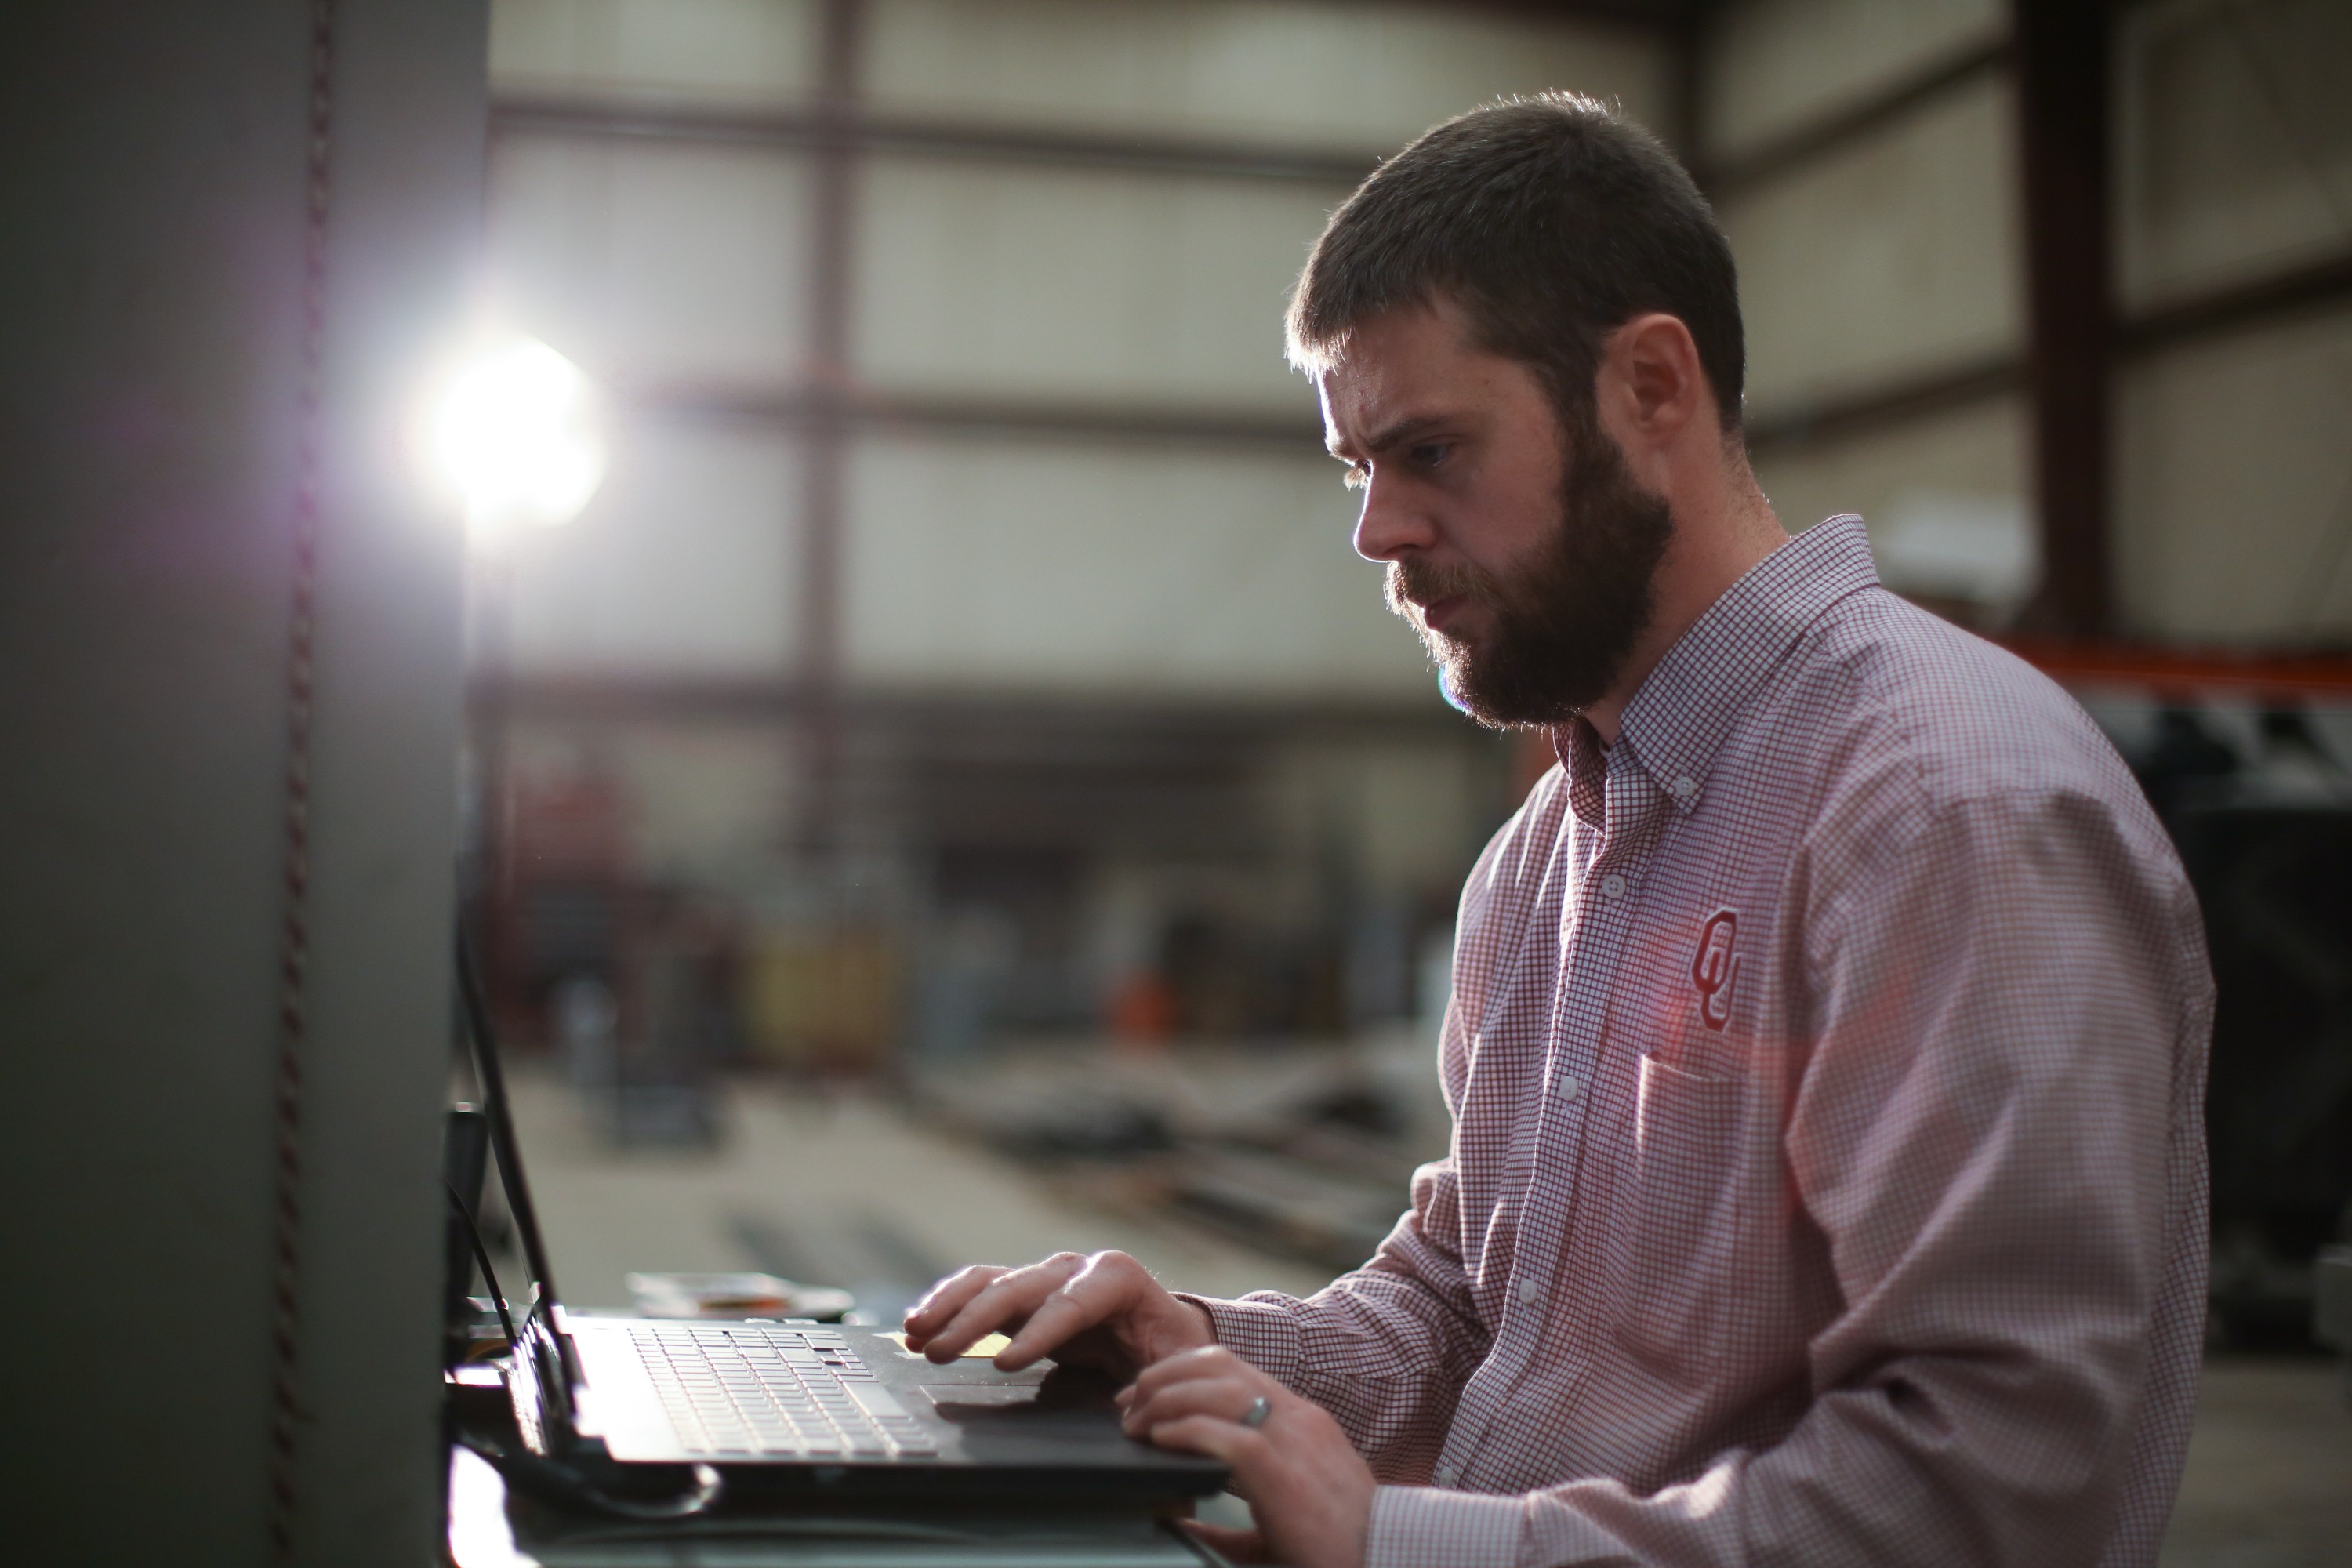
{"points": [[1260, 1408]]}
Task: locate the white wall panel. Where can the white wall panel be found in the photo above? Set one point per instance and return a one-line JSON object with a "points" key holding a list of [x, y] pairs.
{"points": [[2235, 486], [1979, 454], [1894, 257], [709, 802], [1057, 283], [734, 51], [653, 260], [685, 563], [1046, 567], [1347, 76], [1769, 66], [2235, 146]]}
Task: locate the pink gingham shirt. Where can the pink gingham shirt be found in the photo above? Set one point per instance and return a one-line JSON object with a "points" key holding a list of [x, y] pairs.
{"points": [[1827, 1183]]}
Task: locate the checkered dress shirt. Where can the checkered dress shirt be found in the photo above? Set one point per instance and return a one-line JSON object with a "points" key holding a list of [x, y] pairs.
{"points": [[1827, 1185]]}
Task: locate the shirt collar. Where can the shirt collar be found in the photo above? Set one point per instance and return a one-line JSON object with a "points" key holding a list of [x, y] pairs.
{"points": [[1686, 706]]}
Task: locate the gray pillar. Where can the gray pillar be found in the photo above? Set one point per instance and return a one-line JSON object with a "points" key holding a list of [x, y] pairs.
{"points": [[155, 186]]}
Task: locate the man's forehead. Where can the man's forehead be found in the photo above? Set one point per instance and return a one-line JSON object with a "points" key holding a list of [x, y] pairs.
{"points": [[1400, 337], [1401, 367]]}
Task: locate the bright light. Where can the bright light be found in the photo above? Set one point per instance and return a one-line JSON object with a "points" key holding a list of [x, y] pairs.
{"points": [[512, 433]]}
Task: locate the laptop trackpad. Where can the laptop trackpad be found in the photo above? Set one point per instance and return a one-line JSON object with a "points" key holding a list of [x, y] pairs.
{"points": [[979, 1401], [1059, 1393]]}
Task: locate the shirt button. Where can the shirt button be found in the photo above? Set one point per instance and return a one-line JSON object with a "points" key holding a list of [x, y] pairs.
{"points": [[1528, 1292], [1445, 1475], [1569, 1086], [1612, 886], [1685, 787]]}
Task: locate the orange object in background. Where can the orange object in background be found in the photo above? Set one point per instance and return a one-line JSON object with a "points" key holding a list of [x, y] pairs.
{"points": [[1143, 1009]]}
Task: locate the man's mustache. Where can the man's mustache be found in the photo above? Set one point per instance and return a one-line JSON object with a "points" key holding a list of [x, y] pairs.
{"points": [[1414, 583]]}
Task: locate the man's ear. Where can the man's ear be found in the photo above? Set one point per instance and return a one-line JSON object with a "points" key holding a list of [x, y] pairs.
{"points": [[1650, 370]]}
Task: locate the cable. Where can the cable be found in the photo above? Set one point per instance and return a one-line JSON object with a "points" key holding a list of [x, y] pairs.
{"points": [[553, 1482], [494, 1102], [482, 1261], [549, 1478], [541, 1475]]}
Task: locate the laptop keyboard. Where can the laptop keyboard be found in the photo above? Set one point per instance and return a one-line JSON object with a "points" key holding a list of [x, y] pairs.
{"points": [[774, 1389]]}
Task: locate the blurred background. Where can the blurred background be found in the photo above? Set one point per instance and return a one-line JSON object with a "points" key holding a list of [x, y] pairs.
{"points": [[954, 793]]}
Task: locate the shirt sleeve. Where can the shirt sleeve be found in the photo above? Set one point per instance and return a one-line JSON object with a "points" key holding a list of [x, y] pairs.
{"points": [[1387, 1348], [1994, 1134]]}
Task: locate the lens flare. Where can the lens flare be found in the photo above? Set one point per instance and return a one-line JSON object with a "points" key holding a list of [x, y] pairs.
{"points": [[512, 433]]}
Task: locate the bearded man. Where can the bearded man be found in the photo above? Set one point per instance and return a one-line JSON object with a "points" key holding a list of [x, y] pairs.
{"points": [[1828, 1033]]}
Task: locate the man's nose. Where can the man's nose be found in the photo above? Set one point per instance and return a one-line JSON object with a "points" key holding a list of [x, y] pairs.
{"points": [[1390, 526]]}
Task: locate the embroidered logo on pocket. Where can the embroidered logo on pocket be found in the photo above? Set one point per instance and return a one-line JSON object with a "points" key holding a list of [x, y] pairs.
{"points": [[1717, 966]]}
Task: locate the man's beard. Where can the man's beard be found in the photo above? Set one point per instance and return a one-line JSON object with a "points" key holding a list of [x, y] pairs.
{"points": [[1570, 615]]}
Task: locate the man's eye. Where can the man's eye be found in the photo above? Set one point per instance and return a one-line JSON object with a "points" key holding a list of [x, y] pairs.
{"points": [[1428, 454]]}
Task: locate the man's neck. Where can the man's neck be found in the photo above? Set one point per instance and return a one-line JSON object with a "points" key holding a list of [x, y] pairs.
{"points": [[1719, 536]]}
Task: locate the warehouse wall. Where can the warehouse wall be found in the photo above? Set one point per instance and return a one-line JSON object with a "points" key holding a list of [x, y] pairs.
{"points": [[2235, 149], [1073, 471], [683, 265], [1091, 551], [1889, 260]]}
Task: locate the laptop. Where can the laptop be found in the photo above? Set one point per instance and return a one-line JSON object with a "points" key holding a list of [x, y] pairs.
{"points": [[788, 1407]]}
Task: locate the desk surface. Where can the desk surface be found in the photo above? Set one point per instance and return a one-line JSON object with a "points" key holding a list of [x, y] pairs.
{"points": [[485, 1533]]}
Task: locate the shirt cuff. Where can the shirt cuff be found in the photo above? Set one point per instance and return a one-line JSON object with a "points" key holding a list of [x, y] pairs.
{"points": [[1422, 1526], [1264, 1334]]}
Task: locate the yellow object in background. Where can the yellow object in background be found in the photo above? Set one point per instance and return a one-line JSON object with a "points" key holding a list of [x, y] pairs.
{"points": [[820, 999], [986, 1345]]}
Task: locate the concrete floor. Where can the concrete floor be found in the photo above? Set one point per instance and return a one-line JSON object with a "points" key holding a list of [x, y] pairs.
{"points": [[2270, 1470], [842, 1190], [847, 1191]]}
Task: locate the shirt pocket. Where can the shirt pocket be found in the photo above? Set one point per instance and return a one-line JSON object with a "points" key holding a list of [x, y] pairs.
{"points": [[1683, 1238]]}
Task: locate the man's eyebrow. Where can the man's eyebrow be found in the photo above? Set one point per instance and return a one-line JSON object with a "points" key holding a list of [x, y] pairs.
{"points": [[1402, 432]]}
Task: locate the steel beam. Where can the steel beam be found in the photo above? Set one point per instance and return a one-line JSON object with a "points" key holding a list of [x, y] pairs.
{"points": [[1889, 402], [814, 129], [824, 435], [1900, 98], [2250, 676], [769, 701], [797, 408], [2062, 92], [2316, 284]]}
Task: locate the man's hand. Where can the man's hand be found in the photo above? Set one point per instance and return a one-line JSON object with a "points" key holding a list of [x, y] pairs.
{"points": [[1311, 1491], [1103, 1311]]}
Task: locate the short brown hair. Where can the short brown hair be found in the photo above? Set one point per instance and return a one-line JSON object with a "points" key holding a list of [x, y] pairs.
{"points": [[1550, 221]]}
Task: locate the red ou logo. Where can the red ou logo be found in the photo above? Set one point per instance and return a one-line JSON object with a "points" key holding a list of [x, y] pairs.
{"points": [[1716, 967]]}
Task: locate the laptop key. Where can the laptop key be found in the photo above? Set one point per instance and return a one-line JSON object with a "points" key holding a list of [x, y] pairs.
{"points": [[876, 1400]]}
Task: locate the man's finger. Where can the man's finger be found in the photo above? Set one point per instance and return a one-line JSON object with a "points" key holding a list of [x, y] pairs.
{"points": [[1091, 1294], [1208, 1361], [1228, 1399], [1002, 1303], [943, 1300], [1057, 1319], [1005, 1301], [1236, 1445]]}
